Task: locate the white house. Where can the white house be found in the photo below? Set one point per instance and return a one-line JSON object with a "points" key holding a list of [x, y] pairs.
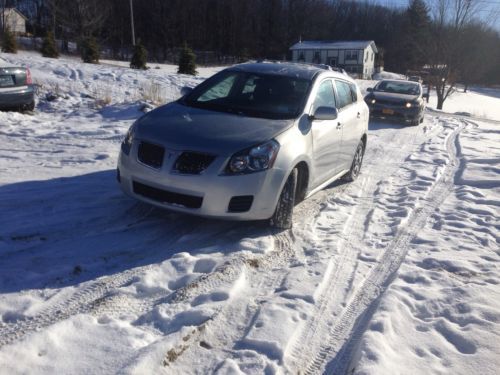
{"points": [[13, 19], [357, 57]]}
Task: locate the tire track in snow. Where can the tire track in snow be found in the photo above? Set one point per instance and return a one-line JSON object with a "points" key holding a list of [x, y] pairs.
{"points": [[333, 356], [96, 296]]}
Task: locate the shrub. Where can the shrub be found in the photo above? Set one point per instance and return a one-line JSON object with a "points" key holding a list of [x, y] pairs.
{"points": [[89, 51], [187, 61], [49, 48], [9, 43], [140, 56]]}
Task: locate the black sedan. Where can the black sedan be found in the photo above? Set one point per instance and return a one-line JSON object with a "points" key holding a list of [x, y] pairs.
{"points": [[16, 88], [397, 99]]}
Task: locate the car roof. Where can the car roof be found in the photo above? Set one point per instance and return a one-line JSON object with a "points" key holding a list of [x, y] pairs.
{"points": [[400, 81], [287, 69]]}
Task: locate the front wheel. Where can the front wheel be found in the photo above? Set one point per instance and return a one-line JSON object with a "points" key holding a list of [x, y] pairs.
{"points": [[283, 215], [356, 163]]}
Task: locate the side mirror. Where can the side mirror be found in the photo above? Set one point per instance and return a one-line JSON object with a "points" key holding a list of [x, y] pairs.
{"points": [[186, 90], [325, 113], [369, 89]]}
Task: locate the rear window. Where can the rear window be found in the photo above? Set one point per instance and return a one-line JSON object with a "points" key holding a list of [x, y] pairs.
{"points": [[6, 80]]}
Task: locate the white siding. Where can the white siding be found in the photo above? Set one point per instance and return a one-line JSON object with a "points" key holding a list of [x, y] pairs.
{"points": [[13, 21]]}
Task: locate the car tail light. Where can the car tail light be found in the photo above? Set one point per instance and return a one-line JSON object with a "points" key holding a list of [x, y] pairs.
{"points": [[29, 81]]}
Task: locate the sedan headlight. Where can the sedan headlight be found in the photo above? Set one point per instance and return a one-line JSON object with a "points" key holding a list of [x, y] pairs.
{"points": [[127, 142], [255, 159], [373, 101], [408, 105]]}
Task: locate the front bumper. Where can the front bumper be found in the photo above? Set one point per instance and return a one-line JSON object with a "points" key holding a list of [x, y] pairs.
{"points": [[395, 112], [17, 97], [211, 188]]}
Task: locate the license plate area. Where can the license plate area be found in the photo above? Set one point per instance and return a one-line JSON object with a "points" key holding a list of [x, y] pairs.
{"points": [[387, 111]]}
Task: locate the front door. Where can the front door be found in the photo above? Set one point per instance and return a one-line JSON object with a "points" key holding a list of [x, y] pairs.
{"points": [[326, 136]]}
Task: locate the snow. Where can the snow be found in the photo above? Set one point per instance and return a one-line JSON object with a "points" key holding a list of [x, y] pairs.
{"points": [[394, 273]]}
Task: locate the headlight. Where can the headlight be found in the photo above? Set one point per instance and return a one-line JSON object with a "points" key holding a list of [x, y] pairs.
{"points": [[127, 142], [373, 101], [255, 159], [408, 105]]}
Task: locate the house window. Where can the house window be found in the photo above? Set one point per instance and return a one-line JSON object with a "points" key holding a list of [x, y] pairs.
{"points": [[366, 56], [372, 56], [351, 55], [317, 57], [301, 56]]}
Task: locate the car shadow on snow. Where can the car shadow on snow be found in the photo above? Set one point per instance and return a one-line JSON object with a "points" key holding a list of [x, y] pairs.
{"points": [[65, 231]]}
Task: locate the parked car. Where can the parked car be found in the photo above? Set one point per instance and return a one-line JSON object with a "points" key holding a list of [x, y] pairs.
{"points": [[398, 99], [248, 143], [16, 87], [415, 79]]}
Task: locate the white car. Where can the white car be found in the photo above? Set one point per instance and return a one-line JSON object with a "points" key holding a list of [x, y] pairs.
{"points": [[248, 143]]}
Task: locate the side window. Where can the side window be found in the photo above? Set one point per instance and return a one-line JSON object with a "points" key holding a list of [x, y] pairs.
{"points": [[344, 94], [325, 96], [354, 92]]}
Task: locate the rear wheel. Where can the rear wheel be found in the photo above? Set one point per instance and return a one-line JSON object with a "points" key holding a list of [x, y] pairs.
{"points": [[283, 215], [356, 163]]}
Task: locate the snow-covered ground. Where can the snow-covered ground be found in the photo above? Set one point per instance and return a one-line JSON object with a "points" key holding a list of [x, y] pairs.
{"points": [[396, 273]]}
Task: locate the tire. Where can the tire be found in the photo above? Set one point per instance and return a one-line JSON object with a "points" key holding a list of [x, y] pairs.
{"points": [[422, 119], [357, 161], [283, 215], [28, 107]]}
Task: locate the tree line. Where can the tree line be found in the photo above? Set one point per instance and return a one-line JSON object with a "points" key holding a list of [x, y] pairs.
{"points": [[439, 33]]}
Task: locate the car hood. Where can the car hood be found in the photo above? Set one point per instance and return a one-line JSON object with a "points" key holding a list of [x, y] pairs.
{"points": [[180, 127], [393, 97]]}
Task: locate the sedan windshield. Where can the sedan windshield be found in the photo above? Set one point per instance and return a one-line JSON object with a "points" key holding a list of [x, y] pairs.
{"points": [[398, 87], [251, 94]]}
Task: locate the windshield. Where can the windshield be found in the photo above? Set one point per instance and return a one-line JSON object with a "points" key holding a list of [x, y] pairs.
{"points": [[398, 87], [251, 94]]}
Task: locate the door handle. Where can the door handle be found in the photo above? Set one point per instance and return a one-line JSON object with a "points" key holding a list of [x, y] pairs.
{"points": [[339, 126]]}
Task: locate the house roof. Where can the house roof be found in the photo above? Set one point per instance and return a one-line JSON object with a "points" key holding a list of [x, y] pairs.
{"points": [[334, 44], [9, 10]]}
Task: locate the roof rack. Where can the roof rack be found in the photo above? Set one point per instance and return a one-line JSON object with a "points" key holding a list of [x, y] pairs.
{"points": [[320, 66]]}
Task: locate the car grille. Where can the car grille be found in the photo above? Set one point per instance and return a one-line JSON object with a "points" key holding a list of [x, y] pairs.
{"points": [[164, 196], [395, 103], [193, 162], [241, 203], [151, 154]]}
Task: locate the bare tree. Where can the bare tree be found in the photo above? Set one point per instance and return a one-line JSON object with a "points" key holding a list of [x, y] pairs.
{"points": [[451, 18]]}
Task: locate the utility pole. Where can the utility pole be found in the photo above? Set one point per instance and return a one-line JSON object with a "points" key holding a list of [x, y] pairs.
{"points": [[132, 22]]}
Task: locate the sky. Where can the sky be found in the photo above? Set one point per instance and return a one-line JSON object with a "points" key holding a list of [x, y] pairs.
{"points": [[489, 9]]}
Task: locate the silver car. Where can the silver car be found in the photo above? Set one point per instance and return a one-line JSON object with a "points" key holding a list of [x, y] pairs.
{"points": [[16, 87], [248, 143]]}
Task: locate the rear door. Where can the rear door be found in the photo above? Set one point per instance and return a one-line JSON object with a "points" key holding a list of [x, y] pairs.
{"points": [[350, 118], [327, 136]]}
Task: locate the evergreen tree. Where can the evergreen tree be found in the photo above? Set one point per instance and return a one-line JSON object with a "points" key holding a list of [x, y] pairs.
{"points": [[416, 34], [140, 56], [49, 48], [9, 43], [187, 61], [89, 51]]}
